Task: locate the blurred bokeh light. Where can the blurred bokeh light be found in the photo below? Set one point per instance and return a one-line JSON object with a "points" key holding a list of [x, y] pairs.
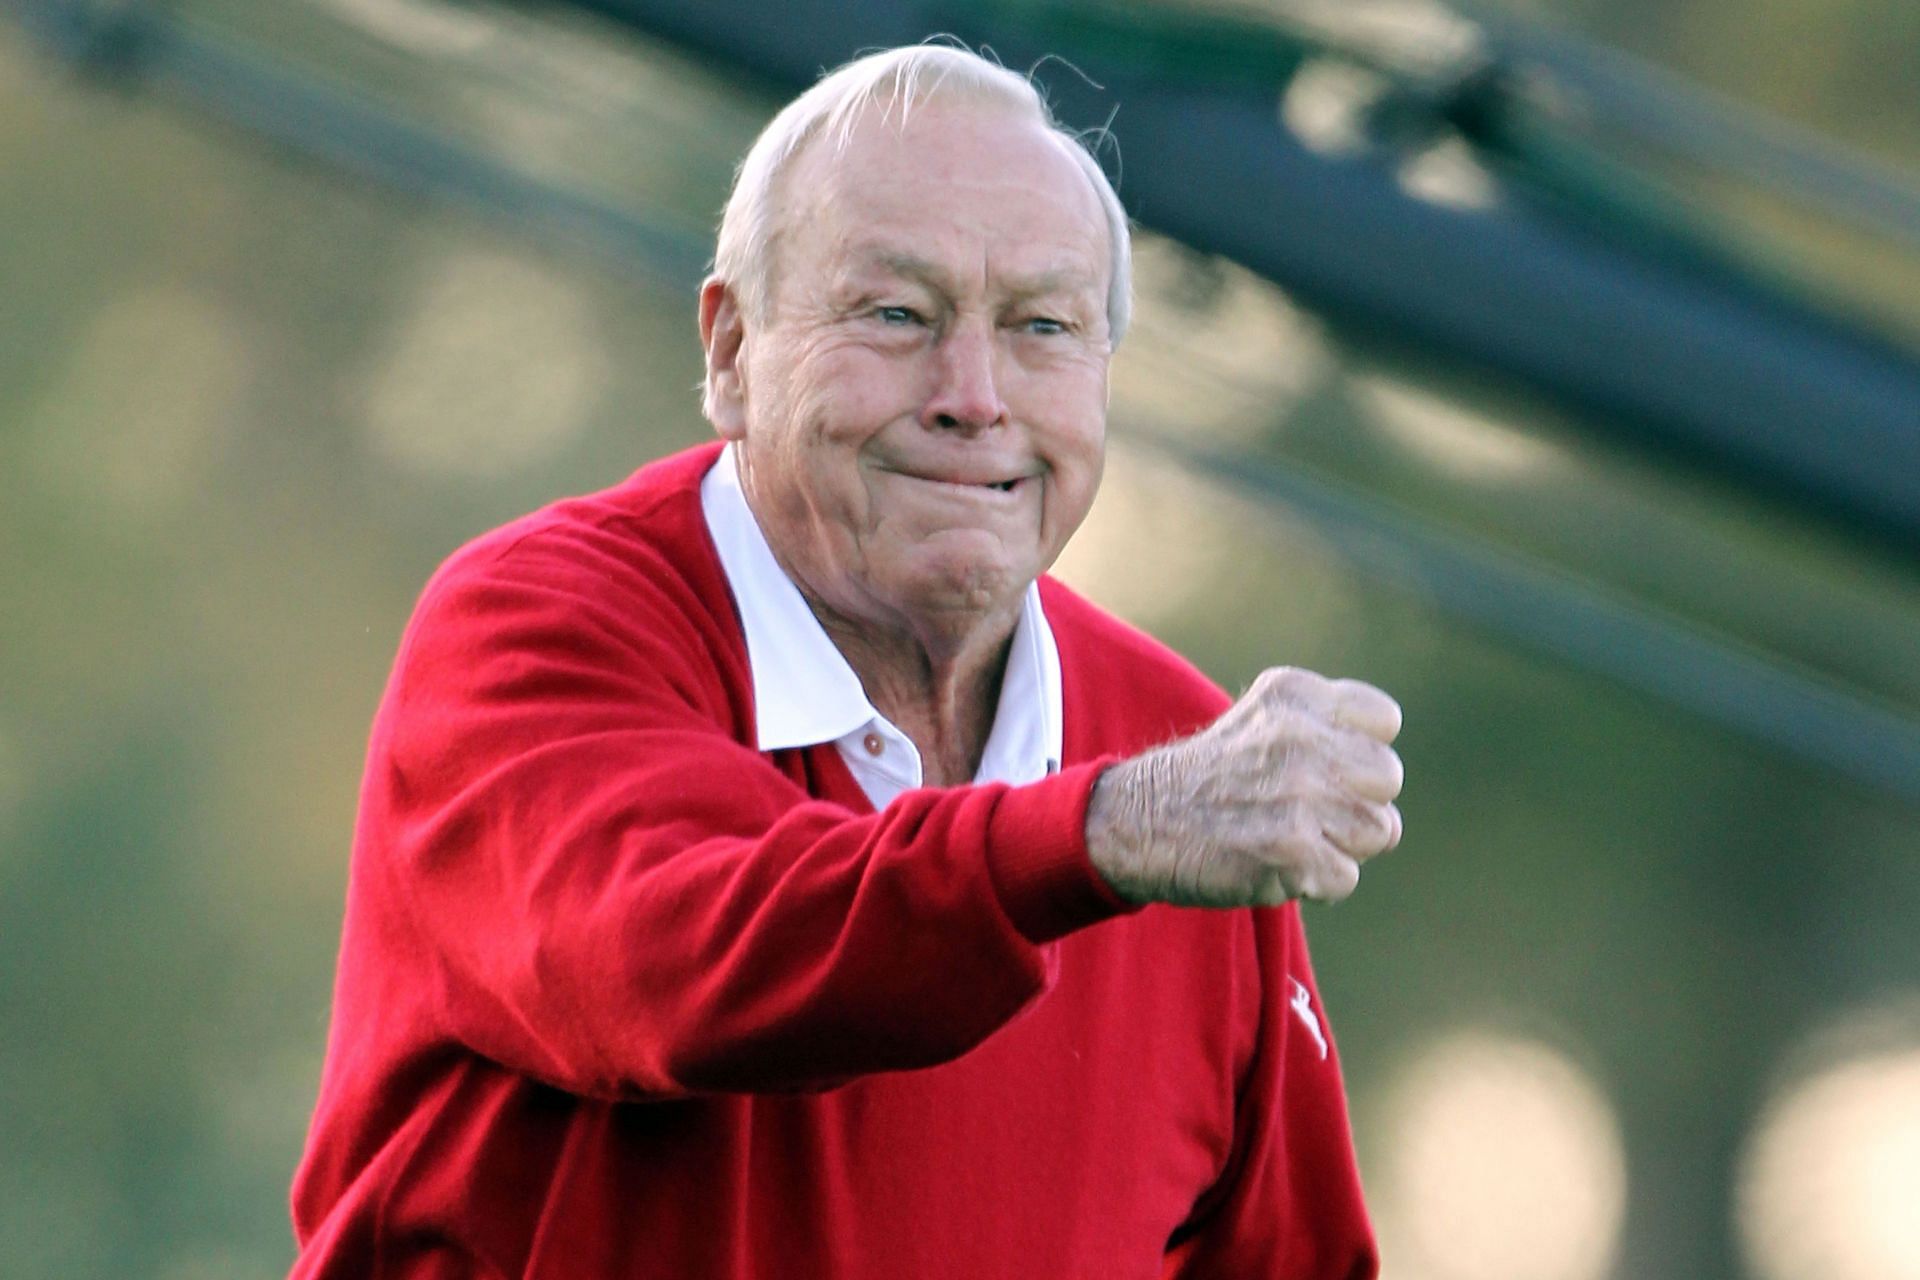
{"points": [[1505, 1163], [143, 402], [1830, 1183], [1453, 436], [493, 363]]}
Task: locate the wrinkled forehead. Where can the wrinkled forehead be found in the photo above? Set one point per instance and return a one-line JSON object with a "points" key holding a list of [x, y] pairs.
{"points": [[955, 177]]}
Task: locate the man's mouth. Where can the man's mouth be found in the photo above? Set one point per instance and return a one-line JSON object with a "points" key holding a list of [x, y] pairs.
{"points": [[1007, 485]]}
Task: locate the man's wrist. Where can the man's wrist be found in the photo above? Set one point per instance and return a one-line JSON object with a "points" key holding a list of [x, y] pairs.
{"points": [[1115, 827]]}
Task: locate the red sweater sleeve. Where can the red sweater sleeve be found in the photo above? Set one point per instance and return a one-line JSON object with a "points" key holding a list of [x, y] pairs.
{"points": [[604, 889], [1289, 1201]]}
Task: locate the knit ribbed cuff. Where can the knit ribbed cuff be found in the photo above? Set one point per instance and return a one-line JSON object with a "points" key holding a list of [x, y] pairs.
{"points": [[1037, 855]]}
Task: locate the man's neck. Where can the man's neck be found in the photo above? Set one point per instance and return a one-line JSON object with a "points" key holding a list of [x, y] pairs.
{"points": [[941, 691]]}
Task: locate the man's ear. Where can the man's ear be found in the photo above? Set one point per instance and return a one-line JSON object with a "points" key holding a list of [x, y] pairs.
{"points": [[723, 336]]}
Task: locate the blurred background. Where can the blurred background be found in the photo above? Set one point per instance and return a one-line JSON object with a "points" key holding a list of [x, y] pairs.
{"points": [[1554, 364]]}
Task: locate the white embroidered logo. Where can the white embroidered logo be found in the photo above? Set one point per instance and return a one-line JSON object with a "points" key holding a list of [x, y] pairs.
{"points": [[1303, 1008]]}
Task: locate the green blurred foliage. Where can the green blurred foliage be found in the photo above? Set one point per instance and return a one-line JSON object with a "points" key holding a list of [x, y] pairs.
{"points": [[1843, 68]]}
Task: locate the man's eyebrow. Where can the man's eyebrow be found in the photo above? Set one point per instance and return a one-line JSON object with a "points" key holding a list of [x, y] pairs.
{"points": [[1057, 280], [912, 266], [903, 263]]}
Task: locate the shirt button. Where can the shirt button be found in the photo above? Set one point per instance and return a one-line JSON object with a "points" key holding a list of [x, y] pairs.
{"points": [[873, 744]]}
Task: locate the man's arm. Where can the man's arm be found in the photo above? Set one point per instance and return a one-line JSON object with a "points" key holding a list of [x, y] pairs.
{"points": [[602, 889]]}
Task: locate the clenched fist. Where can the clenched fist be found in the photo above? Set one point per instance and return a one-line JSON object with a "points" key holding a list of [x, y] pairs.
{"points": [[1282, 797]]}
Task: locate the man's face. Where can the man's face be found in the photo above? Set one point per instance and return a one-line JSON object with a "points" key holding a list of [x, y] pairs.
{"points": [[922, 411]]}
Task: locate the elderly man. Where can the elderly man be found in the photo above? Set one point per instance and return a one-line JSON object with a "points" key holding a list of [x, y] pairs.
{"points": [[750, 859]]}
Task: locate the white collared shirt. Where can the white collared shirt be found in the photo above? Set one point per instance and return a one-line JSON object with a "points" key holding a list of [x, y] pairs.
{"points": [[804, 692]]}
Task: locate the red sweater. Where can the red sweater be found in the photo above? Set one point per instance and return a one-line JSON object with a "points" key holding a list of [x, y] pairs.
{"points": [[621, 997]]}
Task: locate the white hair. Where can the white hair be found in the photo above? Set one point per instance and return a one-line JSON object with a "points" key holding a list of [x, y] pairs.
{"points": [[894, 79]]}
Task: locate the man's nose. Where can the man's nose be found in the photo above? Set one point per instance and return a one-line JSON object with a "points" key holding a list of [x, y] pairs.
{"points": [[966, 391]]}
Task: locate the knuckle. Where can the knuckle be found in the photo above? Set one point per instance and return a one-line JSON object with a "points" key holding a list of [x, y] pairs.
{"points": [[1268, 888], [1331, 879], [1367, 770], [1309, 687], [1268, 681], [1377, 830], [1354, 752], [1285, 725], [1295, 677], [1380, 826], [1299, 827], [1370, 708], [1289, 684], [1305, 732], [1346, 878]]}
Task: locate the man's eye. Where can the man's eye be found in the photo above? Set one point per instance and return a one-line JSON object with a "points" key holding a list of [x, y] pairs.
{"points": [[1046, 324], [897, 315]]}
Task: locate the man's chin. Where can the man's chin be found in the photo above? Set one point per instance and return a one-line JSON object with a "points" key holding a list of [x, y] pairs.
{"points": [[955, 588]]}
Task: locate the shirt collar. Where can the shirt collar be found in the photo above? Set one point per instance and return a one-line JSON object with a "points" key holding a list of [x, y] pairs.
{"points": [[804, 692]]}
